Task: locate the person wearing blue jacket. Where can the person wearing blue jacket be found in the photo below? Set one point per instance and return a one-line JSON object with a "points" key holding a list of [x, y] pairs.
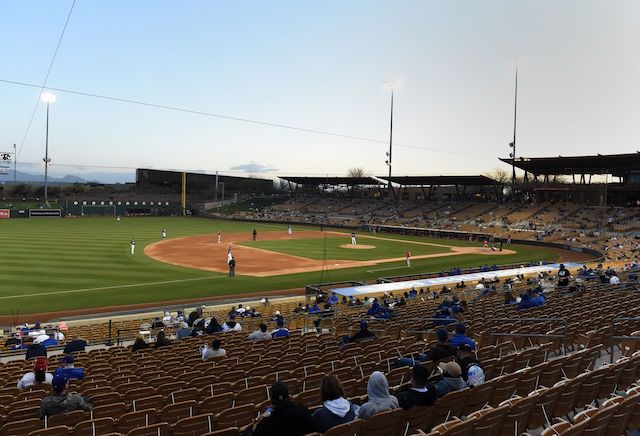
{"points": [[281, 331], [461, 338], [67, 369]]}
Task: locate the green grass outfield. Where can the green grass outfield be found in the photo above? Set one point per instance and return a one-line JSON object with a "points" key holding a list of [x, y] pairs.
{"points": [[73, 263]]}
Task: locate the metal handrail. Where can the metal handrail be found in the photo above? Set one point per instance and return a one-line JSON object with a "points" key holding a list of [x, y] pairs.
{"points": [[564, 336], [613, 331]]}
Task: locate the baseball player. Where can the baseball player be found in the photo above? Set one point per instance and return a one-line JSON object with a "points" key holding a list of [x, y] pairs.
{"points": [[232, 267], [229, 254], [219, 237], [485, 245], [164, 233], [118, 219], [254, 234], [133, 246], [353, 238], [408, 259], [289, 231]]}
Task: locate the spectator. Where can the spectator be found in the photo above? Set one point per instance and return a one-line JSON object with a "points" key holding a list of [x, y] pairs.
{"points": [[563, 276], [213, 326], [161, 340], [420, 393], [362, 334], [214, 351], [472, 372], [461, 338], [68, 369], [61, 401], [139, 344], [441, 350], [36, 349], [284, 417], [39, 375], [184, 330], [315, 308], [379, 399], [450, 379], [231, 325], [281, 331], [335, 409], [261, 334], [75, 345]]}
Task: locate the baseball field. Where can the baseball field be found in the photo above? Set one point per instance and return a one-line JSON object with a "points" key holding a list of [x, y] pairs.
{"points": [[72, 264]]}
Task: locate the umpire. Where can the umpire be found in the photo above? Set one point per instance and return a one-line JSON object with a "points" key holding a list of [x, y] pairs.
{"points": [[232, 267]]}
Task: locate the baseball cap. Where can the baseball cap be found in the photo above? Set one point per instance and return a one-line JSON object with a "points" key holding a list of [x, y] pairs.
{"points": [[451, 368], [67, 358], [279, 392], [59, 382], [465, 347], [40, 364]]}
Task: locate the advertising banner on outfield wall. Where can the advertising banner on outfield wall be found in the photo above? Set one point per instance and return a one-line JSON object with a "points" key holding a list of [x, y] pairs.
{"points": [[45, 213], [19, 213], [5, 213]]}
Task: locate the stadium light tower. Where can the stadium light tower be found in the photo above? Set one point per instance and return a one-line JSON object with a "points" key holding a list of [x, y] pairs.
{"points": [[513, 144], [48, 98], [390, 85]]}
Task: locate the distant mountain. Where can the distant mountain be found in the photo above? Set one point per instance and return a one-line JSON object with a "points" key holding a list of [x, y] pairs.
{"points": [[108, 178]]}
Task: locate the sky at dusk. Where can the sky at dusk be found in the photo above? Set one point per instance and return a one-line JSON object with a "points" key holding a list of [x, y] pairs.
{"points": [[319, 67]]}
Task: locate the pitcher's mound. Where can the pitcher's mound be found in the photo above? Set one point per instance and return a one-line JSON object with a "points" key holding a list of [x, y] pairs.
{"points": [[358, 246]]}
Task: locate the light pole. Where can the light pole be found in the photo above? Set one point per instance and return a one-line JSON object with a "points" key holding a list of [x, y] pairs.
{"points": [[388, 161], [15, 163], [48, 98]]}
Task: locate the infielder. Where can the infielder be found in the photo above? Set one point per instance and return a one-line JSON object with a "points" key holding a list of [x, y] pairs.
{"points": [[219, 237], [289, 230], [229, 254], [164, 233], [133, 246], [353, 239], [408, 259]]}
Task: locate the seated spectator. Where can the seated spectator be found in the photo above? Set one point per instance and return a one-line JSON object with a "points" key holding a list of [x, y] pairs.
{"points": [[161, 340], [276, 316], [315, 308], [299, 308], [472, 372], [75, 345], [198, 328], [420, 393], [441, 350], [284, 417], [509, 298], [335, 408], [450, 380], [39, 375], [461, 338], [378, 397], [214, 351], [281, 331], [362, 334], [68, 369], [61, 401], [231, 325], [213, 326], [261, 334], [139, 344], [184, 331], [35, 349], [48, 340]]}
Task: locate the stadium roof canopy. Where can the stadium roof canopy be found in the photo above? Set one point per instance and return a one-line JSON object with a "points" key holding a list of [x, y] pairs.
{"points": [[401, 180], [443, 180], [332, 181], [615, 164]]}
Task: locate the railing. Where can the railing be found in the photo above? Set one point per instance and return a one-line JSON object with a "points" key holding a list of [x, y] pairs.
{"points": [[613, 335], [564, 336]]}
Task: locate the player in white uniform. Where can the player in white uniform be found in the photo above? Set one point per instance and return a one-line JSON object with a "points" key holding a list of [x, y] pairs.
{"points": [[118, 219], [133, 246], [353, 239], [164, 233], [219, 237], [229, 255], [289, 230]]}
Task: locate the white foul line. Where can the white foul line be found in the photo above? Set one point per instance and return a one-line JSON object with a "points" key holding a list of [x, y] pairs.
{"points": [[73, 291], [385, 269]]}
